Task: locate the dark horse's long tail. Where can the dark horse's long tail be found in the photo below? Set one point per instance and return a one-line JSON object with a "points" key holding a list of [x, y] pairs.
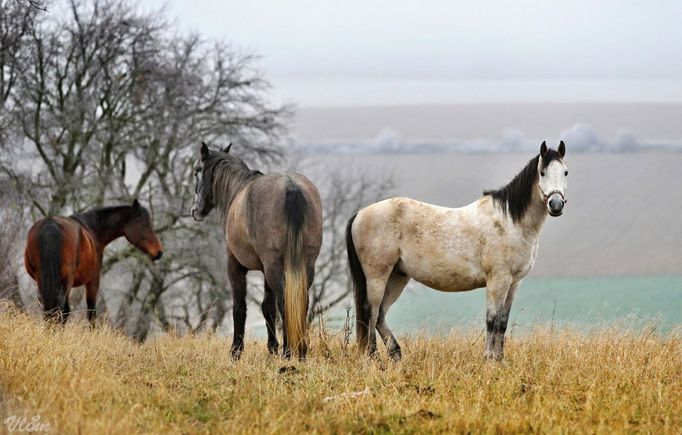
{"points": [[51, 284], [359, 287], [295, 270]]}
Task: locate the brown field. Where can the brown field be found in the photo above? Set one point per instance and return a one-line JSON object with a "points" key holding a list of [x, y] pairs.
{"points": [[83, 381]]}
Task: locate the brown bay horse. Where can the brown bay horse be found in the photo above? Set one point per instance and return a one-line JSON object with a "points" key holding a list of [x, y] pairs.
{"points": [[65, 252], [273, 224]]}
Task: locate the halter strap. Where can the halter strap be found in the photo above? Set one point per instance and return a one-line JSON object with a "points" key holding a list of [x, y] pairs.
{"points": [[547, 195]]}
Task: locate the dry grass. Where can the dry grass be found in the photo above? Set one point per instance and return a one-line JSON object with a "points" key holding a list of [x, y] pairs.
{"points": [[83, 381]]}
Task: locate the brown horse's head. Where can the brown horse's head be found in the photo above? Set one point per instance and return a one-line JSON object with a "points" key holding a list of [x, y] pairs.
{"points": [[140, 233]]}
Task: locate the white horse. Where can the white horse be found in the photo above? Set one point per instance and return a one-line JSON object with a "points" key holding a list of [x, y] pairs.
{"points": [[492, 242]]}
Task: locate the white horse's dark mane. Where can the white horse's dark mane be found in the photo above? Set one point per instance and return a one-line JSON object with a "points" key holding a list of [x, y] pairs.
{"points": [[515, 197]]}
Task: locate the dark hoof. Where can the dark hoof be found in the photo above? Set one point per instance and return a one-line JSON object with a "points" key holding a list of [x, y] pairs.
{"points": [[395, 354], [302, 352], [55, 317], [286, 353], [493, 356], [236, 352], [273, 348], [287, 369]]}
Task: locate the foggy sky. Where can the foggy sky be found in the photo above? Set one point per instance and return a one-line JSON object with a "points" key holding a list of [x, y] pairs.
{"points": [[355, 41]]}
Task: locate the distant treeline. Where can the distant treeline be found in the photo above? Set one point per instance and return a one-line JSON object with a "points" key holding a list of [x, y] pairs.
{"points": [[466, 147]]}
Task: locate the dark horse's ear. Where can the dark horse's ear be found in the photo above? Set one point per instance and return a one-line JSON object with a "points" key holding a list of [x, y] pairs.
{"points": [[562, 149], [204, 151], [136, 204], [227, 148], [543, 149]]}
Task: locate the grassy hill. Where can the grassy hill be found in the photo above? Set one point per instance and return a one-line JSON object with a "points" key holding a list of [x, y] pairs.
{"points": [[97, 381]]}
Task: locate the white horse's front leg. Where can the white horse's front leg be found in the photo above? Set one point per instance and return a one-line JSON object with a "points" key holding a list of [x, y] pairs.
{"points": [[499, 294]]}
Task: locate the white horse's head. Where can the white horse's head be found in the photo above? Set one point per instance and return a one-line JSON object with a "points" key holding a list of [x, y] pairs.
{"points": [[553, 178]]}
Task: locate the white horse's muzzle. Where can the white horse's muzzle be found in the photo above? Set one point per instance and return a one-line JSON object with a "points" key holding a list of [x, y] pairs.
{"points": [[555, 202]]}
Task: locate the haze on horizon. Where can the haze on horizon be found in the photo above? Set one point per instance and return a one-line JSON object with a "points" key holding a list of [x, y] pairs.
{"points": [[326, 53], [361, 70]]}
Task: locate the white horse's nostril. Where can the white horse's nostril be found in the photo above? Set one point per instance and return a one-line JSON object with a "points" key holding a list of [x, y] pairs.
{"points": [[555, 205]]}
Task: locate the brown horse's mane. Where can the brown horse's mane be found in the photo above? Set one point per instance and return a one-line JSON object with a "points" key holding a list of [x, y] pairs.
{"points": [[230, 175], [104, 221]]}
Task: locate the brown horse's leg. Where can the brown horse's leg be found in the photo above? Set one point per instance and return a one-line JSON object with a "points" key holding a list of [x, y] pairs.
{"points": [[269, 307], [237, 275], [65, 309], [91, 290]]}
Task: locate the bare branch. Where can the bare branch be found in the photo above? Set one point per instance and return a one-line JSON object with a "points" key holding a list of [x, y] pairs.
{"points": [[108, 103]]}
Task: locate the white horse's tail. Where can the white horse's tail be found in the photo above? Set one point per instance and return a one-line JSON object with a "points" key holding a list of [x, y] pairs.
{"points": [[359, 288]]}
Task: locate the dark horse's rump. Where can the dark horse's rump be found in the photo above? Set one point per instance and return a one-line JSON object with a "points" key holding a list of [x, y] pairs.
{"points": [[295, 206]]}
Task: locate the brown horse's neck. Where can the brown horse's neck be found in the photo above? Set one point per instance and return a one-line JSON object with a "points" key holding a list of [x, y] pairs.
{"points": [[106, 224]]}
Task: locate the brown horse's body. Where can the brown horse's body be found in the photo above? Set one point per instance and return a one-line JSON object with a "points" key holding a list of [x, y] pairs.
{"points": [[273, 224], [66, 252], [80, 254]]}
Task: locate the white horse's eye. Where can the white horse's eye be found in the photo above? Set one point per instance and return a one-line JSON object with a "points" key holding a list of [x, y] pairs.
{"points": [[566, 173], [542, 174]]}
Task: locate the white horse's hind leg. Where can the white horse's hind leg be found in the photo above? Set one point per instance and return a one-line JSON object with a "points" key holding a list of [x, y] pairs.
{"points": [[394, 287], [375, 294], [499, 294]]}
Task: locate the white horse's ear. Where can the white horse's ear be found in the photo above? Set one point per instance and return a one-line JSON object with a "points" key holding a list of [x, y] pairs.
{"points": [[226, 150], [543, 149], [204, 151], [136, 204], [562, 149]]}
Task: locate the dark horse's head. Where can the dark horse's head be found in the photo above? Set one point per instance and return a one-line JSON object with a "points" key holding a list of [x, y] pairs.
{"points": [[204, 175], [139, 232]]}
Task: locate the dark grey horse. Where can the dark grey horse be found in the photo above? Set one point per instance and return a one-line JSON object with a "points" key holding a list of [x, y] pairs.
{"points": [[273, 223]]}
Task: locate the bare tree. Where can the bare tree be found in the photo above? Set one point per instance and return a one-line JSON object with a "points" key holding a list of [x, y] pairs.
{"points": [[215, 96], [16, 24], [11, 230], [344, 192], [111, 104], [35, 4]]}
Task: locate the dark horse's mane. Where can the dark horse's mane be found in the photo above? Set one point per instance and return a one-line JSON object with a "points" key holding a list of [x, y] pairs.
{"points": [[515, 197], [106, 219], [230, 175], [97, 218]]}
